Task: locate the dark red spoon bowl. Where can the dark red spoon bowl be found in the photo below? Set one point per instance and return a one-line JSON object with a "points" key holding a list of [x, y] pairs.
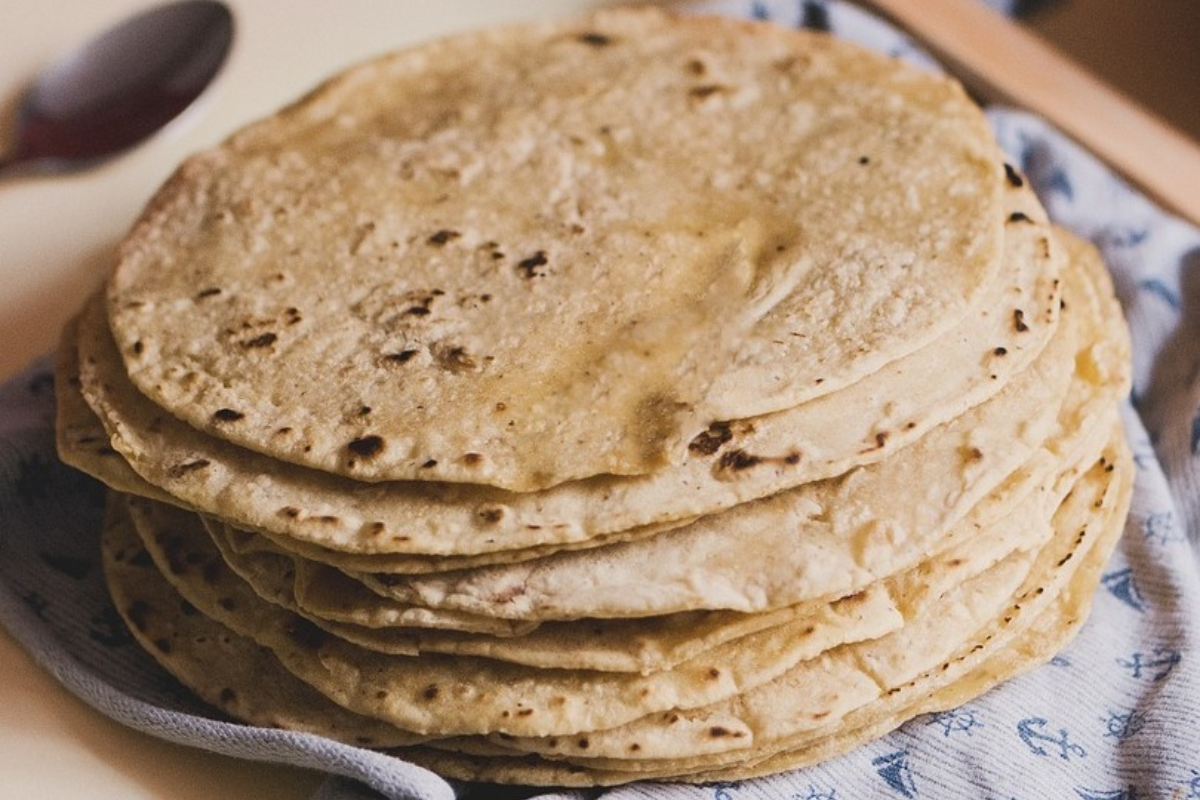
{"points": [[121, 87]]}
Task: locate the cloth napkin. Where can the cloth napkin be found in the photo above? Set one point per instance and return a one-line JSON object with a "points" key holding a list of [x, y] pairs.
{"points": [[1116, 716]]}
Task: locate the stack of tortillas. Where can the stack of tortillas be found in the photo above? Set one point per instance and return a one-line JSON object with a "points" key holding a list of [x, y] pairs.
{"points": [[646, 397]]}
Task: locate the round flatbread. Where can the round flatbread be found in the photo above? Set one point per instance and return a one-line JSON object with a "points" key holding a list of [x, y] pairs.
{"points": [[542, 253], [428, 525]]}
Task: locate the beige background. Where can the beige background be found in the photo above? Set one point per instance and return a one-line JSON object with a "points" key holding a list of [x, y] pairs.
{"points": [[57, 235]]}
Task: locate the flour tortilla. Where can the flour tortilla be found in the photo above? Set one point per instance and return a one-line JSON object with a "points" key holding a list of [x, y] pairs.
{"points": [[943, 604], [320, 516], [743, 662], [80, 439], [812, 541], [189, 561], [1037, 637], [806, 212], [326, 594], [646, 644], [826, 539], [226, 670], [292, 704], [1046, 609], [445, 695], [273, 578], [349, 611]]}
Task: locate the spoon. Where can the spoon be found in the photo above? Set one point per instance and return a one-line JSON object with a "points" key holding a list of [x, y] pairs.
{"points": [[121, 87]]}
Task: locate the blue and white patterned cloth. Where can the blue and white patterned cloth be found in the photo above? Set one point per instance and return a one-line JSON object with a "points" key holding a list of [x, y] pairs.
{"points": [[1117, 715]]}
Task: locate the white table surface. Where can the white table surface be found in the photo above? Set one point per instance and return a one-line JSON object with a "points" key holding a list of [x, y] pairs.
{"points": [[56, 239]]}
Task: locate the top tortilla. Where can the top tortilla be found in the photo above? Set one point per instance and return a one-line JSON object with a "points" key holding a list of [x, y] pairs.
{"points": [[558, 250], [456, 526]]}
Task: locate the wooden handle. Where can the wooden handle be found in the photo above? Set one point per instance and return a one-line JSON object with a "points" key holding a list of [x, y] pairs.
{"points": [[1001, 62]]}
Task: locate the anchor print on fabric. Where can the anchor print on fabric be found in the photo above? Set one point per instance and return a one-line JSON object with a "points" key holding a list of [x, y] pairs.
{"points": [[1121, 585], [1058, 182], [1193, 786], [1047, 176], [1160, 290], [959, 720], [1143, 453], [1122, 726], [1128, 236], [1155, 666], [814, 793], [1161, 528], [723, 790], [1033, 734], [896, 772], [815, 16], [1107, 794]]}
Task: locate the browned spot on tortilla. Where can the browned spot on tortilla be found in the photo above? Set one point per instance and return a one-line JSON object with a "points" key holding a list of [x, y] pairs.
{"points": [[710, 441], [706, 90], [262, 340], [366, 446], [1014, 177], [594, 39], [136, 613], [738, 460], [179, 470], [401, 357], [454, 359], [529, 266], [491, 514], [442, 237]]}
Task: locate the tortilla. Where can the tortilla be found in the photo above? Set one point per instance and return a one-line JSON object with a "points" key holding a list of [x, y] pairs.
{"points": [[640, 397], [645, 644], [228, 671], [443, 695], [818, 539], [446, 234], [727, 465], [828, 539], [1046, 609]]}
